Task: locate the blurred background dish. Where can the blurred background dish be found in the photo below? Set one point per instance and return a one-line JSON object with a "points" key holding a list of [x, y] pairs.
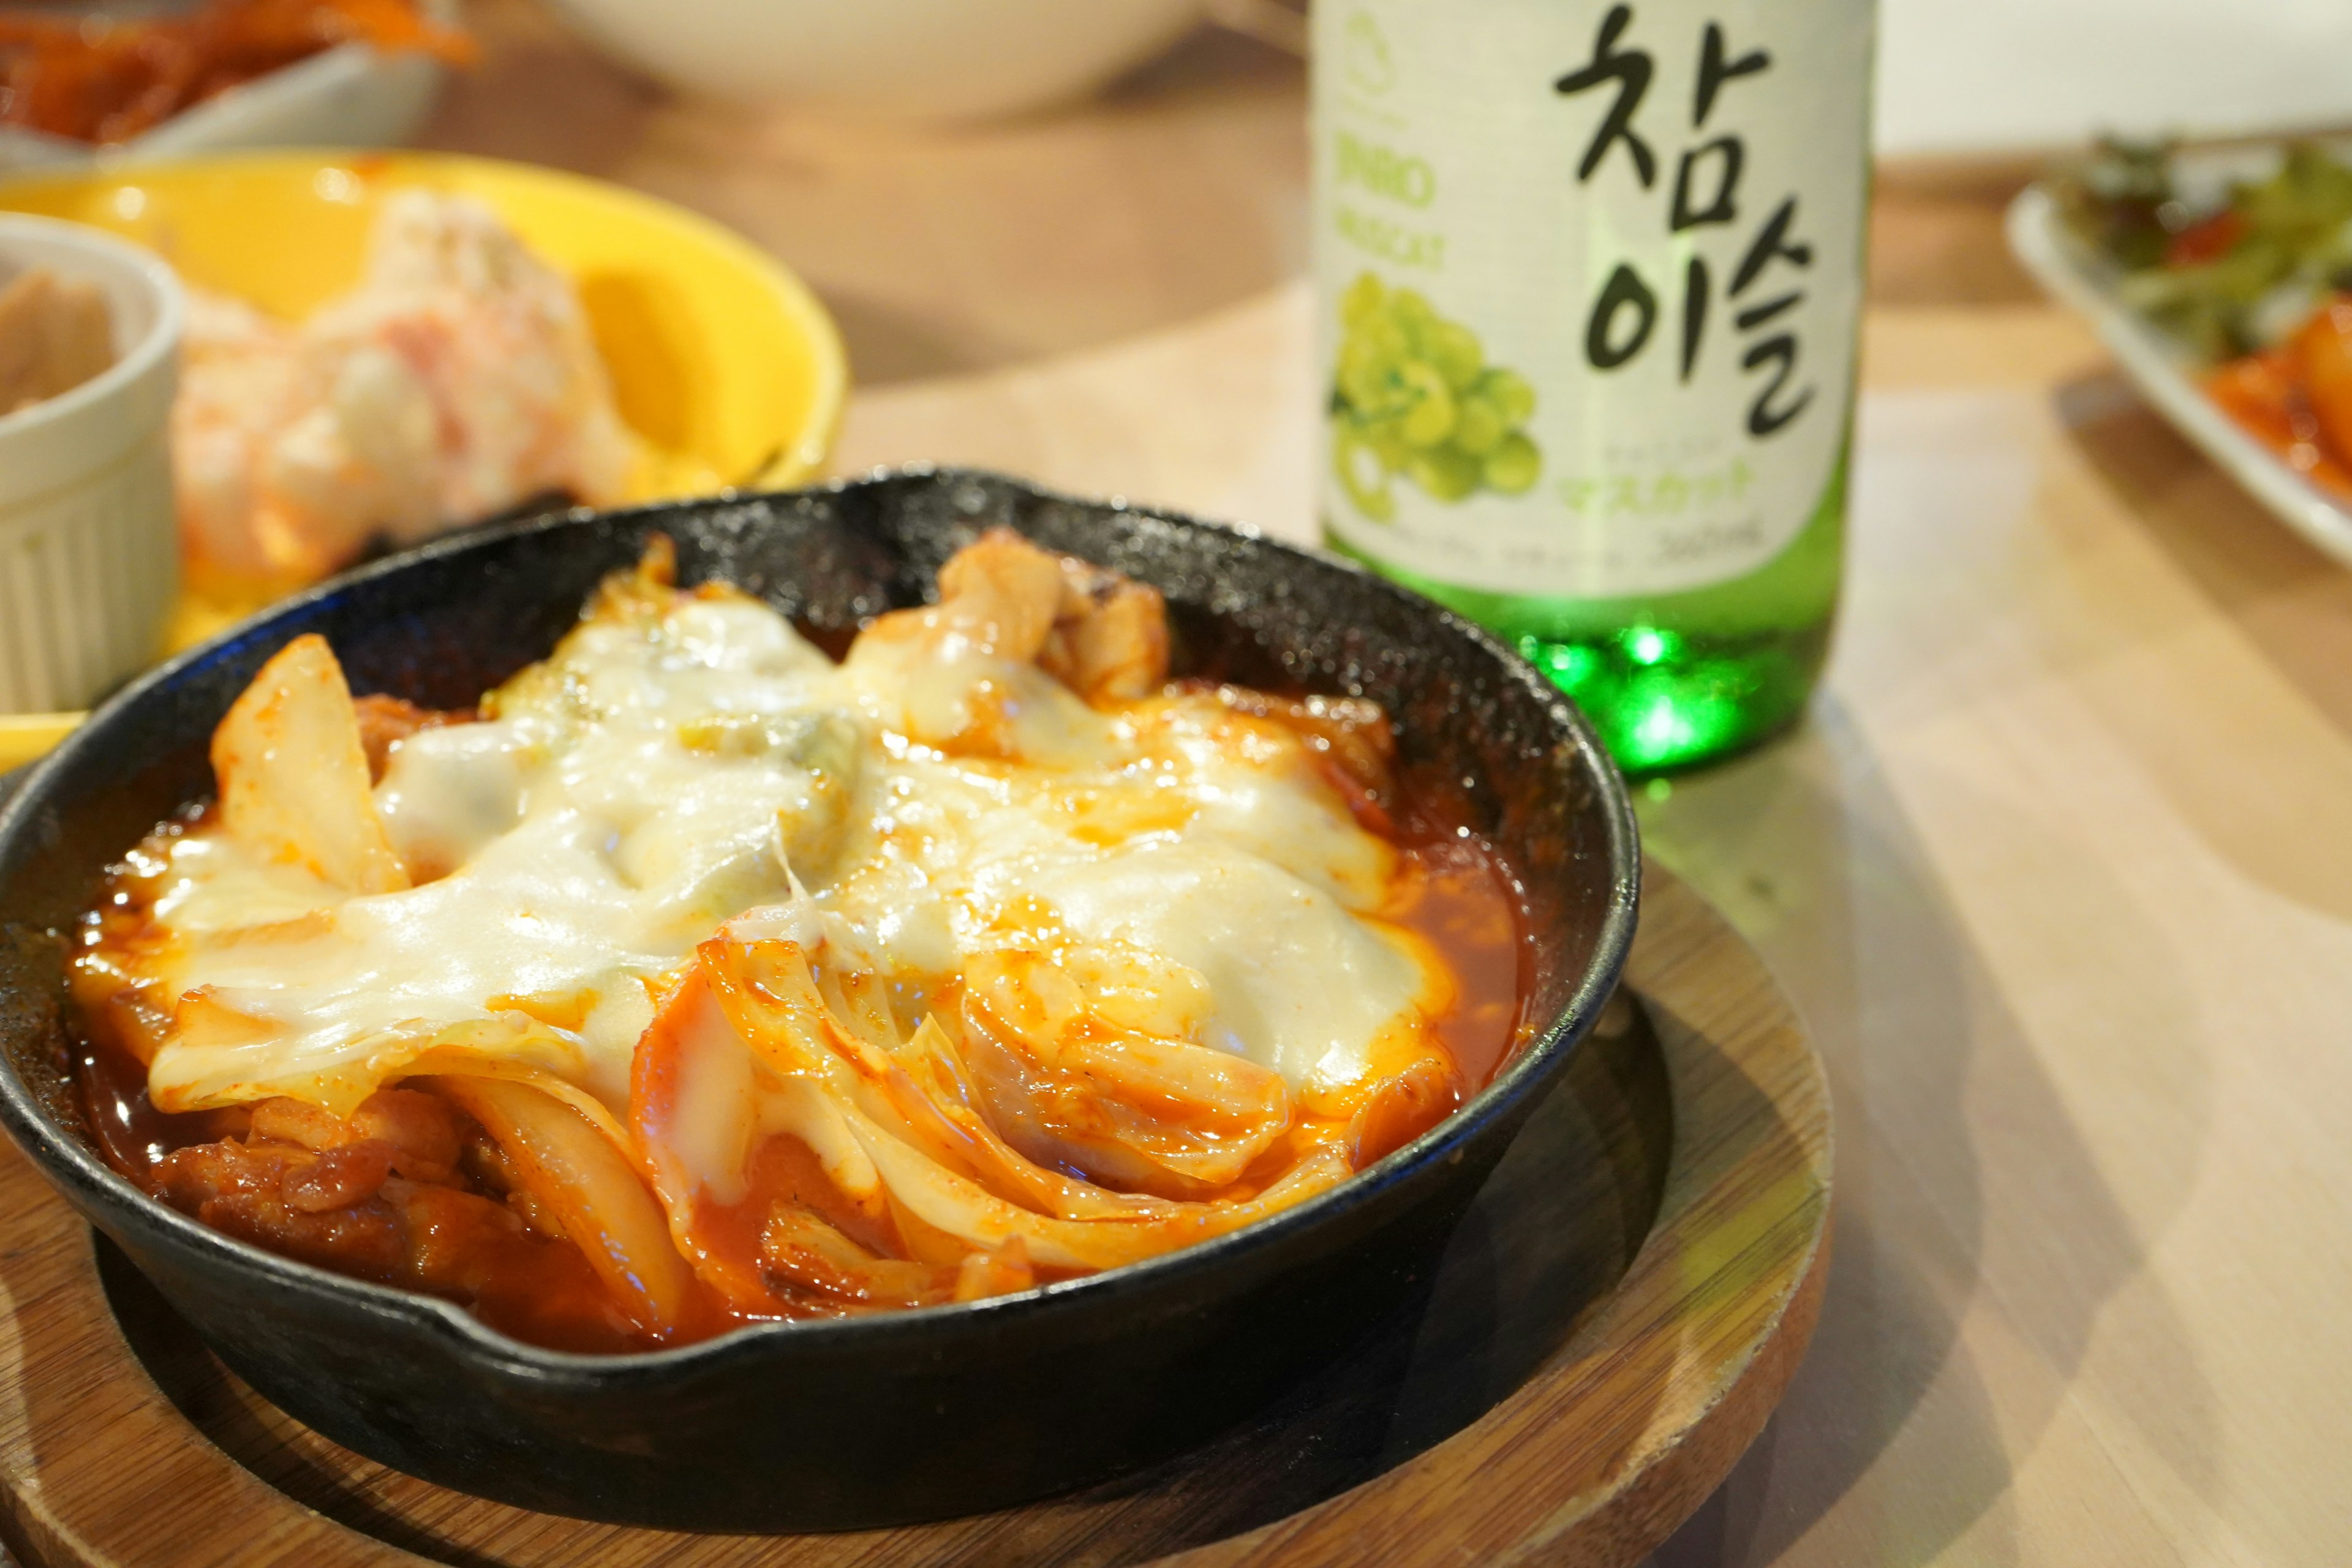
{"points": [[909, 60], [723, 368], [351, 93], [88, 565], [2220, 278]]}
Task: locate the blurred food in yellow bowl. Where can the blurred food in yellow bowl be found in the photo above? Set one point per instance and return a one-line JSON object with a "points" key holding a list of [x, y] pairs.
{"points": [[723, 369], [458, 380]]}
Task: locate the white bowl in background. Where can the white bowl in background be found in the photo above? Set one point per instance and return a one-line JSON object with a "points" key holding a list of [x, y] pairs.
{"points": [[887, 59], [349, 96], [89, 559]]}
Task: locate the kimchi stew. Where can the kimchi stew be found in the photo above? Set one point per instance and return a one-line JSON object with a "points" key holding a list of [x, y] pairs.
{"points": [[694, 979]]}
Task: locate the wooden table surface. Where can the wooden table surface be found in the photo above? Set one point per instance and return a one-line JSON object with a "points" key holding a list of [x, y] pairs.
{"points": [[2059, 871]]}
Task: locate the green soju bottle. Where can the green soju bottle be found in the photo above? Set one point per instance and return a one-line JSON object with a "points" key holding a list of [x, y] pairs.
{"points": [[1590, 281]]}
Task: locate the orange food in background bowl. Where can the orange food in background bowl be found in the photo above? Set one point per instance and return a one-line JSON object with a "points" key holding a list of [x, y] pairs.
{"points": [[457, 381], [2323, 351], [105, 81], [2297, 398]]}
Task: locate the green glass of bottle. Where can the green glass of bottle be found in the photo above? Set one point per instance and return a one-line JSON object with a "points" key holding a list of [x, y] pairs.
{"points": [[1590, 283]]}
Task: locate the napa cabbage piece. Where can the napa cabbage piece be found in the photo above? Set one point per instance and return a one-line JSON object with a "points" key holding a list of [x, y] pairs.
{"points": [[294, 779]]}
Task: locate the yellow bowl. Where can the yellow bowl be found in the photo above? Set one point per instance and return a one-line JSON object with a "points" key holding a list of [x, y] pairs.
{"points": [[23, 736], [723, 363]]}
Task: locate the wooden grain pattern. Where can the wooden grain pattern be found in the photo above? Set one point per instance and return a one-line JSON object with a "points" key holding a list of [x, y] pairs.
{"points": [[1606, 1335]]}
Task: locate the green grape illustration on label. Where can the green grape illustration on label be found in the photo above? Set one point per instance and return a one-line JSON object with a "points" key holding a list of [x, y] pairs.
{"points": [[1413, 395]]}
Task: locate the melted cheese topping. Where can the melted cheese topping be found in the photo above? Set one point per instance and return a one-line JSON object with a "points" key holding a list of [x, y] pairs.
{"points": [[675, 765]]}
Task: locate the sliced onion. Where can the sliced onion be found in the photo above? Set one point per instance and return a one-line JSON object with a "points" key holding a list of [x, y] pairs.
{"points": [[1067, 1088], [980, 1220], [771, 998], [594, 1192]]}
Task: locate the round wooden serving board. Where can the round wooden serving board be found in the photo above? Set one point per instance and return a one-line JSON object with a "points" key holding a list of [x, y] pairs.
{"points": [[1605, 1333]]}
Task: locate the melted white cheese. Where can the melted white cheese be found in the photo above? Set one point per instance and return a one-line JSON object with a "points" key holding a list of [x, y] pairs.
{"points": [[664, 773]]}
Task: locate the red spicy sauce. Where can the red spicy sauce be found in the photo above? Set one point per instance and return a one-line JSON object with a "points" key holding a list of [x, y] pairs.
{"points": [[1457, 896]]}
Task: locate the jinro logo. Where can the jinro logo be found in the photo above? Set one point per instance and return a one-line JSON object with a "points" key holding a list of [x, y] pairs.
{"points": [[1366, 57]]}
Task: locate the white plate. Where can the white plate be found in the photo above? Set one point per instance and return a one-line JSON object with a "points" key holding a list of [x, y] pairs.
{"points": [[2163, 368], [350, 96]]}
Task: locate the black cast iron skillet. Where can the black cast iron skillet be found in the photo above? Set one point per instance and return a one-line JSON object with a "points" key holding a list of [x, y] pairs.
{"points": [[885, 1419]]}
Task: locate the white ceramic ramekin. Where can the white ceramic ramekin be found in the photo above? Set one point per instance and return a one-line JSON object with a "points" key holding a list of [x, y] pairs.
{"points": [[90, 558]]}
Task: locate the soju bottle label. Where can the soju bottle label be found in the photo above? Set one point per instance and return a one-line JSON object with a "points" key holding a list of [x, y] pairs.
{"points": [[1590, 278]]}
